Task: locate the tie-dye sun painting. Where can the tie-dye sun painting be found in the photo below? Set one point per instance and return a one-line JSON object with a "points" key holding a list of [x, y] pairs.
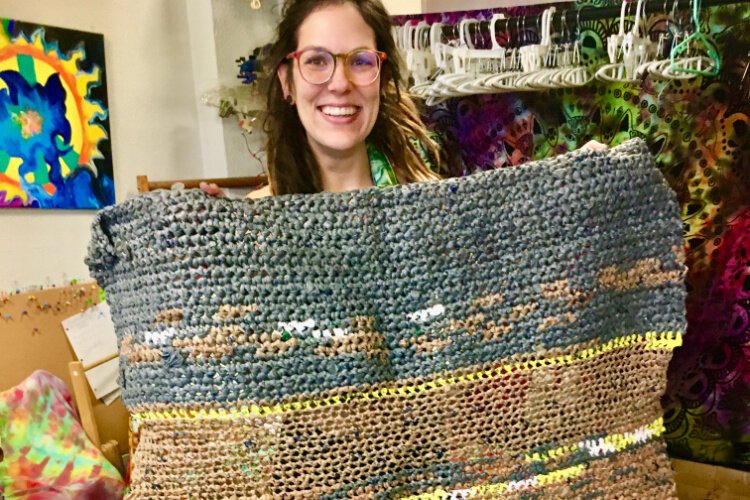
{"points": [[54, 119]]}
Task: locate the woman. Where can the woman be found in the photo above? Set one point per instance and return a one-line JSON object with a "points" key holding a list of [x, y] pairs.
{"points": [[337, 120]]}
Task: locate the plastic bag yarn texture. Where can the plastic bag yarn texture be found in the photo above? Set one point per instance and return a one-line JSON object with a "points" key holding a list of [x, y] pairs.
{"points": [[506, 333]]}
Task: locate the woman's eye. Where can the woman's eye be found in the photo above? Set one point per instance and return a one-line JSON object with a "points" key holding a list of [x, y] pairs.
{"points": [[362, 60], [316, 61]]}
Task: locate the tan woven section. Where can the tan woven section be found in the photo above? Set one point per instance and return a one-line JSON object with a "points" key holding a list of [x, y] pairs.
{"points": [[486, 424]]}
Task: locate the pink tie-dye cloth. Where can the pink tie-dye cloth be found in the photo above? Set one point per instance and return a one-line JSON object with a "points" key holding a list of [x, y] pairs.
{"points": [[45, 452]]}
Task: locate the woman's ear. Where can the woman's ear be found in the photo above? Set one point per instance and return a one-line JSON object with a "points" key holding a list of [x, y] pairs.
{"points": [[385, 78], [283, 75]]}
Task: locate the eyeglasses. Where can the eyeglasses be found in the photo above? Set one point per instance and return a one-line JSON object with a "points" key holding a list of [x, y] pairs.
{"points": [[317, 65]]}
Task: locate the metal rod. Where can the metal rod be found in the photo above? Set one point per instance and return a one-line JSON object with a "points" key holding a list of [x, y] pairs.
{"points": [[585, 13]]}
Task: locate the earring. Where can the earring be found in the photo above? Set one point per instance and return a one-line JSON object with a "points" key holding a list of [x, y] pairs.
{"points": [[289, 100]]}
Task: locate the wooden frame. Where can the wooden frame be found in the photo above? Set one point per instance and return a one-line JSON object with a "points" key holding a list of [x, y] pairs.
{"points": [[82, 397], [145, 185]]}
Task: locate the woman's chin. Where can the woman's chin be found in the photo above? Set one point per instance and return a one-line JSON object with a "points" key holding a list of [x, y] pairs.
{"points": [[337, 146]]}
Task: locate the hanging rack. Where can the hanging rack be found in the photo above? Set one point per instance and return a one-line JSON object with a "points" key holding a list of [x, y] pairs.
{"points": [[586, 13], [632, 58]]}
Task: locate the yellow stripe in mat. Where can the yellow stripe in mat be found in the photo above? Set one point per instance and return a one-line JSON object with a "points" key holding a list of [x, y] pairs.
{"points": [[651, 341], [540, 480], [607, 444]]}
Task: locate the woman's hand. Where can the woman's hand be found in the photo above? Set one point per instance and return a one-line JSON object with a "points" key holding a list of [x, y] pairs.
{"points": [[595, 146], [211, 189]]}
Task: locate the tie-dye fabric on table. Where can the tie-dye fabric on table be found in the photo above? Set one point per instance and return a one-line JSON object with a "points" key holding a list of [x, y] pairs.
{"points": [[45, 452], [699, 133]]}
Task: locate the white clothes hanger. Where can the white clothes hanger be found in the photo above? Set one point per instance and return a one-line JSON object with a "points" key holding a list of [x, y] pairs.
{"points": [[485, 63], [532, 56], [610, 72], [662, 69], [510, 68], [457, 71], [543, 59], [443, 54], [419, 59], [634, 49], [498, 57], [562, 64], [614, 42], [578, 75], [428, 89]]}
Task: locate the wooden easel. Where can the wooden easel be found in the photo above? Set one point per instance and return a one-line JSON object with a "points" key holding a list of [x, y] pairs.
{"points": [[82, 396]]}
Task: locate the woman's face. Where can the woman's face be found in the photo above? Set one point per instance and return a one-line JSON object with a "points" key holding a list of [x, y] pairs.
{"points": [[337, 115]]}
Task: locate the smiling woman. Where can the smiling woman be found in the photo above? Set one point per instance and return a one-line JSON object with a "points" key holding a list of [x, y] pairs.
{"points": [[337, 119], [337, 113]]}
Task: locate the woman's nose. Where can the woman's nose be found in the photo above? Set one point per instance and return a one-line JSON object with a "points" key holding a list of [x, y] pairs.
{"points": [[339, 82]]}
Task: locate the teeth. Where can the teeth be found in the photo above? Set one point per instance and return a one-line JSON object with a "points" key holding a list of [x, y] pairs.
{"points": [[339, 111]]}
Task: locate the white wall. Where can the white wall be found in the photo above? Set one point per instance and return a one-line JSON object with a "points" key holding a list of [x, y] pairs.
{"points": [[238, 29], [206, 69], [153, 120]]}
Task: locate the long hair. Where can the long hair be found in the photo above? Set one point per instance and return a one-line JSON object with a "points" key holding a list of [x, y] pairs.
{"points": [[398, 131]]}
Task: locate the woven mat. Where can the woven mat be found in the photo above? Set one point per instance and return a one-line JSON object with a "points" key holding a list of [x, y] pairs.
{"points": [[502, 334]]}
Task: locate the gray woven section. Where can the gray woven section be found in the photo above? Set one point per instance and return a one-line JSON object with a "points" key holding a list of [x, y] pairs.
{"points": [[383, 254]]}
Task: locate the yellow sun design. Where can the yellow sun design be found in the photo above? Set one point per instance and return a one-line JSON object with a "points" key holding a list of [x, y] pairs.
{"points": [[37, 61]]}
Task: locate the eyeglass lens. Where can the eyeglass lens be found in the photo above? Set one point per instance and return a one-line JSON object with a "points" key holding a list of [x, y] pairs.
{"points": [[317, 66]]}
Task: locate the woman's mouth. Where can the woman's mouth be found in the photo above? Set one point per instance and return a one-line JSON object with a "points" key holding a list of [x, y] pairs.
{"points": [[339, 111]]}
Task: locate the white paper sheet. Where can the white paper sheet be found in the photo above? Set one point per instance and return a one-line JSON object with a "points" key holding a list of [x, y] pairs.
{"points": [[108, 399], [92, 336]]}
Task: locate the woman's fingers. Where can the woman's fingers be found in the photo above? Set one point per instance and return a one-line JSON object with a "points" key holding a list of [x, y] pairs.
{"points": [[211, 189], [595, 146]]}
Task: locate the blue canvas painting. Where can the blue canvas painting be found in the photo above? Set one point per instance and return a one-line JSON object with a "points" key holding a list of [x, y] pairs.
{"points": [[54, 119]]}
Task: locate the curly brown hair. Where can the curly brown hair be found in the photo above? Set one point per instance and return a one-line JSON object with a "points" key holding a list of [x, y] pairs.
{"points": [[398, 131]]}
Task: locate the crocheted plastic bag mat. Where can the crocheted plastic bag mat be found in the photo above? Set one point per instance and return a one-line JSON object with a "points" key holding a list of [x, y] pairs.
{"points": [[505, 333]]}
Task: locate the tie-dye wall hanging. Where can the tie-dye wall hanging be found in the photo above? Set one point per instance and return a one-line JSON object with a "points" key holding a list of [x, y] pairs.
{"points": [[54, 119], [699, 131]]}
